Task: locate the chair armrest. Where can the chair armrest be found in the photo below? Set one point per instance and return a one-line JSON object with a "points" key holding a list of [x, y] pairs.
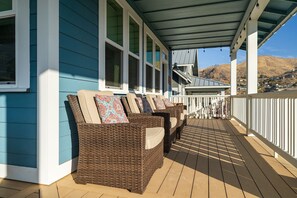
{"points": [[138, 114], [166, 117], [111, 138], [148, 121]]}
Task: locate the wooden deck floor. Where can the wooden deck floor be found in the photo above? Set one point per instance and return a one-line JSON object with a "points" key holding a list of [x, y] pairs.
{"points": [[213, 159]]}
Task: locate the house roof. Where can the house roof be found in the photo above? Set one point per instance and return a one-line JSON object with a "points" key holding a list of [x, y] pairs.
{"points": [[192, 24], [183, 75], [184, 57], [203, 83]]}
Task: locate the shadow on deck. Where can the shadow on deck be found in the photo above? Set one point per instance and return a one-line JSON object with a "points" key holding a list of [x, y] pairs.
{"points": [[213, 159]]}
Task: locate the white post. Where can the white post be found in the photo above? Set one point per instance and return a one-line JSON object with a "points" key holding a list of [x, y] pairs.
{"points": [[252, 56], [234, 74], [48, 90], [252, 68]]}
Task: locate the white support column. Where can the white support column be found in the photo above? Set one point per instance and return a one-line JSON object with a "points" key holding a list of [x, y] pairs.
{"points": [[233, 74], [47, 90], [252, 56], [252, 68]]}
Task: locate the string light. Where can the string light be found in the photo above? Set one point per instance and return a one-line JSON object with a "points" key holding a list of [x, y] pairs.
{"points": [[203, 49]]}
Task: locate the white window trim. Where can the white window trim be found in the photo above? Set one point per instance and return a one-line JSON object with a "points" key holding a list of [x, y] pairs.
{"points": [[138, 57], [21, 11], [156, 41], [127, 12]]}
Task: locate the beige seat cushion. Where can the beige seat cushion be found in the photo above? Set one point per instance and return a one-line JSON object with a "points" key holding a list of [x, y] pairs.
{"points": [[182, 116], [153, 137], [132, 103], [185, 112], [150, 100], [88, 105], [161, 97], [173, 122]]}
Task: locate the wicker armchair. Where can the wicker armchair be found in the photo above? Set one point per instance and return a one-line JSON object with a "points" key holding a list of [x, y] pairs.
{"points": [[180, 108], [170, 130], [116, 154]]}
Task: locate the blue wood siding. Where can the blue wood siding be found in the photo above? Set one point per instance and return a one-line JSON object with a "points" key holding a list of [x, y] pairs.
{"points": [[78, 64], [18, 113]]}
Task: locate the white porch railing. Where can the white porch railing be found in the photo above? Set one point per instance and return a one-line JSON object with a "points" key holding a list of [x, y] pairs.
{"points": [[204, 106], [272, 117]]}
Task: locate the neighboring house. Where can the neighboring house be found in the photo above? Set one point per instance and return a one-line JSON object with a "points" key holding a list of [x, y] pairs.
{"points": [[185, 76], [202, 86]]}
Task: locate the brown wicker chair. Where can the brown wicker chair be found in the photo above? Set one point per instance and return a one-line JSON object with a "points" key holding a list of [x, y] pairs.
{"points": [[115, 154], [182, 118], [170, 130]]}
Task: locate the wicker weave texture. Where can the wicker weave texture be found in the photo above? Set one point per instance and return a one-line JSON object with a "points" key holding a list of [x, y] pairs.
{"points": [[114, 154]]}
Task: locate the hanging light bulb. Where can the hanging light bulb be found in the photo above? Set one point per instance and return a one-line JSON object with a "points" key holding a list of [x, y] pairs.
{"points": [[203, 49], [221, 49]]}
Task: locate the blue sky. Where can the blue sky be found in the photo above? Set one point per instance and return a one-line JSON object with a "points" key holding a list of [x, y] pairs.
{"points": [[283, 44]]}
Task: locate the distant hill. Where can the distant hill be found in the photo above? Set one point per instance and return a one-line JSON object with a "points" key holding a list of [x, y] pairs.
{"points": [[268, 66]]}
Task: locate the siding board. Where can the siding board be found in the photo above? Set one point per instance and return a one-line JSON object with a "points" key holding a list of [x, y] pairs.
{"points": [[78, 65]]}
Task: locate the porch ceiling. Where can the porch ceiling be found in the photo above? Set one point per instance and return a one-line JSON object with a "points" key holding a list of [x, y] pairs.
{"points": [[191, 24]]}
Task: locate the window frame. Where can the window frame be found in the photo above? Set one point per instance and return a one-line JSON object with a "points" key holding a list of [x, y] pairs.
{"points": [[156, 41], [138, 57], [127, 13], [159, 69], [21, 12]]}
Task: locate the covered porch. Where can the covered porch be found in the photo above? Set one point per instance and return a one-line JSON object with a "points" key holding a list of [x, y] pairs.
{"points": [[213, 159]]}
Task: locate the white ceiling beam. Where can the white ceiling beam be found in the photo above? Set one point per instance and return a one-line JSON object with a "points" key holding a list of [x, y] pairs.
{"points": [[253, 12]]}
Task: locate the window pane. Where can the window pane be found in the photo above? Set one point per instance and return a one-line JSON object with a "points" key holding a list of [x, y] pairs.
{"points": [[157, 57], [7, 51], [164, 56], [149, 78], [113, 66], [133, 37], [133, 73], [115, 22], [149, 49], [157, 81], [5, 5]]}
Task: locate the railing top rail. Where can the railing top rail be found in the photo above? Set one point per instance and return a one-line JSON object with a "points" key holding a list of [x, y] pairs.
{"points": [[281, 94], [200, 96]]}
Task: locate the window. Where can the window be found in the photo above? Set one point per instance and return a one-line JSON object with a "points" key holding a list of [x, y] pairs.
{"points": [[113, 49], [14, 45], [158, 67], [113, 66], [133, 37], [115, 22], [5, 5], [157, 57], [149, 49], [157, 81], [7, 51], [133, 66], [149, 77], [133, 73]]}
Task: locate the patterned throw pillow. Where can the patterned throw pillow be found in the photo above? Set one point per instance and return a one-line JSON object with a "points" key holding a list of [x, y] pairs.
{"points": [[110, 109], [159, 103], [139, 103], [167, 102], [146, 106]]}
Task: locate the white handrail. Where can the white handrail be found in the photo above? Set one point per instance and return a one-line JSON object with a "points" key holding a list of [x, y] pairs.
{"points": [[272, 117], [204, 106]]}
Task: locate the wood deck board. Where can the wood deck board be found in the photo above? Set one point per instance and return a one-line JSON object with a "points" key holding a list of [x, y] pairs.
{"points": [[212, 159], [232, 185]]}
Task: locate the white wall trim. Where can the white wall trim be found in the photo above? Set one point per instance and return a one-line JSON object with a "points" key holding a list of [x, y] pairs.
{"points": [[48, 90], [19, 173]]}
